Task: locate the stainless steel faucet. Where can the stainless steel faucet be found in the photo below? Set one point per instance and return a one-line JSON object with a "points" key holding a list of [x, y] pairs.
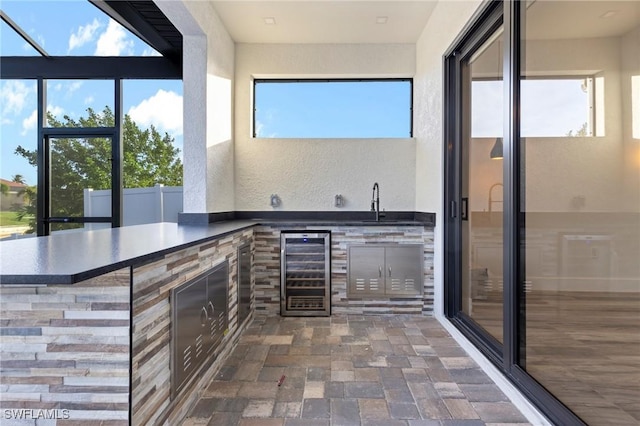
{"points": [[491, 200], [375, 201]]}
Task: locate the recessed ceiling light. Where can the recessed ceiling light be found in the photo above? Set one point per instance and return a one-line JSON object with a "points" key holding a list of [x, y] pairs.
{"points": [[608, 14], [381, 19], [270, 21]]}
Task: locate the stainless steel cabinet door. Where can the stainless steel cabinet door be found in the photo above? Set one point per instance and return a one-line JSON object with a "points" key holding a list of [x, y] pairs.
{"points": [[244, 283], [404, 269], [217, 295], [366, 271], [190, 322]]}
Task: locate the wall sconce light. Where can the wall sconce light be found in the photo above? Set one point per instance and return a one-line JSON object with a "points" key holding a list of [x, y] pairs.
{"points": [[339, 201], [496, 151], [275, 200]]}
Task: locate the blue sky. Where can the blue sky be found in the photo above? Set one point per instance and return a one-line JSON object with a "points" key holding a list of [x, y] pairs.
{"points": [[75, 28], [344, 109]]}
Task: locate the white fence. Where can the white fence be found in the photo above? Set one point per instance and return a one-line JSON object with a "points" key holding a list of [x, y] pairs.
{"points": [[140, 205]]}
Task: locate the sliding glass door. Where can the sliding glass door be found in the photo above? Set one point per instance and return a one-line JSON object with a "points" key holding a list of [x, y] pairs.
{"points": [[542, 193], [580, 159], [481, 186]]}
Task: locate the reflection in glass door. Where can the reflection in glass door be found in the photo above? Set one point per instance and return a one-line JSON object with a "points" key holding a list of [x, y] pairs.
{"points": [[581, 205], [481, 186]]}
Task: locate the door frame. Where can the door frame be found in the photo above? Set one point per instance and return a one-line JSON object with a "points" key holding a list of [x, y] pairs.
{"points": [[45, 134], [482, 27], [508, 357]]}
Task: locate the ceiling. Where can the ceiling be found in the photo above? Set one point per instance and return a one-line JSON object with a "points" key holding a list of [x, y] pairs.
{"points": [[324, 21]]}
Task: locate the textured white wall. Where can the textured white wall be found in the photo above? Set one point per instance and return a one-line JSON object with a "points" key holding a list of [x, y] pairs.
{"points": [[308, 173], [445, 23], [559, 169], [630, 63], [208, 73]]}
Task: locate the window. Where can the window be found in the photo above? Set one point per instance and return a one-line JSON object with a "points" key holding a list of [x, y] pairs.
{"points": [[369, 108]]}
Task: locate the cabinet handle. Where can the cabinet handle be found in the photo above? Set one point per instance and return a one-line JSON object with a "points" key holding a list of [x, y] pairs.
{"points": [[389, 270], [203, 314], [212, 309], [379, 271]]}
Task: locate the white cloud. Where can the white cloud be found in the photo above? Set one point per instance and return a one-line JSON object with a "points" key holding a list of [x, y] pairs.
{"points": [[163, 110], [83, 35], [88, 100], [37, 37], [259, 129], [149, 51], [56, 111], [113, 42], [73, 86], [58, 87], [40, 39], [13, 95], [29, 122]]}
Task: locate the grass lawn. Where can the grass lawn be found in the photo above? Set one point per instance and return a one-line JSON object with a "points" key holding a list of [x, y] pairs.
{"points": [[8, 218]]}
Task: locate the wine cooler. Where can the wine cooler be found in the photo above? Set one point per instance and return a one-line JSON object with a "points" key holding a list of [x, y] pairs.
{"points": [[305, 273]]}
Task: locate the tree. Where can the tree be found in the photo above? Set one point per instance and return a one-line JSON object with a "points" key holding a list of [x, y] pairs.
{"points": [[581, 132], [79, 163], [28, 209], [18, 179]]}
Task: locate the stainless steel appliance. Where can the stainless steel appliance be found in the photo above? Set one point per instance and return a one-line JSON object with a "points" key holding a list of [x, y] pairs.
{"points": [[305, 273], [199, 321], [244, 282]]}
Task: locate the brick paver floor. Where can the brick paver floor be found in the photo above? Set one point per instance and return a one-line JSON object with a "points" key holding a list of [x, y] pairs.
{"points": [[348, 370]]}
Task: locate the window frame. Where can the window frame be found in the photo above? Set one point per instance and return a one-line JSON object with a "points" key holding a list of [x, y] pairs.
{"points": [[257, 81]]}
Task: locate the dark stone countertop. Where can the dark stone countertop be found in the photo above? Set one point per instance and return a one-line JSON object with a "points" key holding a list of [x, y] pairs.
{"points": [[67, 258]]}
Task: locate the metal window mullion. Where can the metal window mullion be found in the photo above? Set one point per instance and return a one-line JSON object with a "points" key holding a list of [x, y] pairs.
{"points": [[592, 101], [451, 245], [43, 193], [76, 132], [512, 218], [79, 219], [23, 34], [116, 159], [410, 108]]}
